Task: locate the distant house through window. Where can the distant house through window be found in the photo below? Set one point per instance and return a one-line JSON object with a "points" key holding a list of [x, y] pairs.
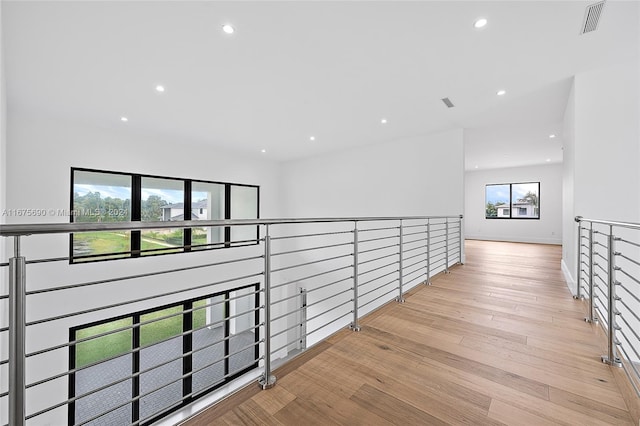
{"points": [[104, 196], [155, 194], [512, 201]]}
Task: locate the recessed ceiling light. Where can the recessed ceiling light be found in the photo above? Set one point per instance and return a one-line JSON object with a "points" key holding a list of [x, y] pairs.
{"points": [[160, 88], [124, 119], [312, 138], [228, 29], [263, 151], [552, 136], [476, 166], [501, 92], [480, 23], [383, 121], [548, 160]]}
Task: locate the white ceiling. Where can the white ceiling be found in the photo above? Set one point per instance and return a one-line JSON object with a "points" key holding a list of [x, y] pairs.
{"points": [[327, 69]]}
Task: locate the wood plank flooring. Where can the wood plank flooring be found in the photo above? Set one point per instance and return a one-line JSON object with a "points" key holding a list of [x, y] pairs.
{"points": [[497, 341]]}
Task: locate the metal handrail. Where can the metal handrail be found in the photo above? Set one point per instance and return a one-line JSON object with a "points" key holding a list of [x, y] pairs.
{"points": [[629, 225], [438, 249], [13, 230]]}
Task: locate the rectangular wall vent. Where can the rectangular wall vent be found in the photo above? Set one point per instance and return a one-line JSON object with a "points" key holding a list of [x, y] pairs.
{"points": [[448, 103], [592, 17]]}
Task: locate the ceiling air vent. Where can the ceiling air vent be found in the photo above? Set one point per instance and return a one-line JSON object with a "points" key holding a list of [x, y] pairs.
{"points": [[592, 17], [448, 102]]}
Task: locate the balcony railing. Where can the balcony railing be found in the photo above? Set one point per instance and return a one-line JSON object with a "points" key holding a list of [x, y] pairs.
{"points": [[608, 275], [130, 340]]}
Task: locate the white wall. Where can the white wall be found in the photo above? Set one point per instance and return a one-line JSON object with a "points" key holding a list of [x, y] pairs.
{"points": [[414, 176], [607, 143], [3, 129], [569, 236], [548, 229], [3, 273], [3, 144], [601, 159]]}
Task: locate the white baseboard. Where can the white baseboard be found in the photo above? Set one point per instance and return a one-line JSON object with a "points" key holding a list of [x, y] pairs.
{"points": [[554, 241], [568, 277]]}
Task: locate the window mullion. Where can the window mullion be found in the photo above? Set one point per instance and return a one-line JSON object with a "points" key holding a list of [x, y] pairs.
{"points": [[135, 367], [510, 201], [136, 213], [227, 214], [188, 202], [187, 347], [71, 415]]}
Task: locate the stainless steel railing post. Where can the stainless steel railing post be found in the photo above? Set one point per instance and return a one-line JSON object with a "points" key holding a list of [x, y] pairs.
{"points": [[461, 241], [400, 298], [17, 336], [446, 246], [303, 319], [579, 262], [591, 318], [268, 380], [354, 325], [428, 282], [611, 358]]}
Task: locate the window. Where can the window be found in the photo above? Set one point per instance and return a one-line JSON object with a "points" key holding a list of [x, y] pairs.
{"points": [[100, 196], [162, 200], [244, 204], [142, 366], [209, 198], [512, 201]]}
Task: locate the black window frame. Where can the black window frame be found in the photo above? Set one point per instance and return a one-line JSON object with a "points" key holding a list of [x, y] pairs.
{"points": [[188, 396], [511, 202], [136, 209]]}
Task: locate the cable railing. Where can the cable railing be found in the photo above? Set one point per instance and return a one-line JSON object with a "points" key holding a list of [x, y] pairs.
{"points": [[608, 275], [130, 340]]}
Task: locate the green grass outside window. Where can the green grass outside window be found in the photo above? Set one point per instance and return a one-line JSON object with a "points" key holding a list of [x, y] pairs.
{"points": [[121, 342]]}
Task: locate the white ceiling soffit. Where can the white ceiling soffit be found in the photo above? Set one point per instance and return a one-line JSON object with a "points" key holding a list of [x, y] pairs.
{"points": [[296, 69]]}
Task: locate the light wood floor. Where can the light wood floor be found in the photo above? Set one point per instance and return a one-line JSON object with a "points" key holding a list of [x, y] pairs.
{"points": [[498, 341]]}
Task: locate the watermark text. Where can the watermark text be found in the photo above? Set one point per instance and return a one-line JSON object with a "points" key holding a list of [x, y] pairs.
{"points": [[96, 213]]}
